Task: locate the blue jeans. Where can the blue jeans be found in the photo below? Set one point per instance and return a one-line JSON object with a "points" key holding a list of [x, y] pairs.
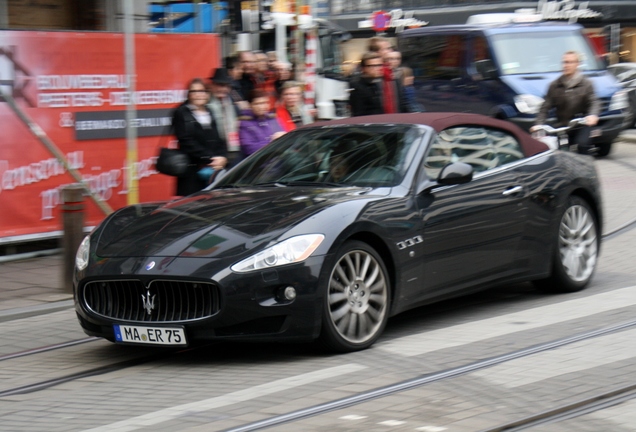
{"points": [[580, 135]]}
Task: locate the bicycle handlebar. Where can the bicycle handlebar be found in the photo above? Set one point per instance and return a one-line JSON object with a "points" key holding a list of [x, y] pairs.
{"points": [[555, 131]]}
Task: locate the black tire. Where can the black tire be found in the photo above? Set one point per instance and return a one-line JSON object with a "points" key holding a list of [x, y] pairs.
{"points": [[356, 301], [604, 149], [576, 249]]}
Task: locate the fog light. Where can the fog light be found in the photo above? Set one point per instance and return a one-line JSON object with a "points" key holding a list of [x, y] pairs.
{"points": [[289, 293]]}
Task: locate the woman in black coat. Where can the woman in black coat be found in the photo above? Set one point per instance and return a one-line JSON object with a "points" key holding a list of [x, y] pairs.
{"points": [[196, 130]]}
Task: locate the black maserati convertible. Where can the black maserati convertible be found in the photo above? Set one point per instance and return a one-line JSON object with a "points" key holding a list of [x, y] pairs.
{"points": [[328, 231]]}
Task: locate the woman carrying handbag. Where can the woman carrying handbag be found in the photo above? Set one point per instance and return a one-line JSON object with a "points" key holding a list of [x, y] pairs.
{"points": [[196, 130]]}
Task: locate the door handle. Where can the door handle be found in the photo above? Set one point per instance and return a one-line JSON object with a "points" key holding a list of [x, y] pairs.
{"points": [[512, 190]]}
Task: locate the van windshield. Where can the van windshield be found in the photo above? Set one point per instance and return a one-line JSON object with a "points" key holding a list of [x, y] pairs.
{"points": [[540, 52]]}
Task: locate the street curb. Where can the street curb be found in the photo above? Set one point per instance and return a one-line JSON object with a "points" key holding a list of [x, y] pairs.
{"points": [[30, 311]]}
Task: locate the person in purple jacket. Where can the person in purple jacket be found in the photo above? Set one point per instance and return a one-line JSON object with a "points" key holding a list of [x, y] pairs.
{"points": [[258, 127]]}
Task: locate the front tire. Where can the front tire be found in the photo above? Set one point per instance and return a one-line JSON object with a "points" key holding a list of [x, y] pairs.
{"points": [[576, 249], [356, 303]]}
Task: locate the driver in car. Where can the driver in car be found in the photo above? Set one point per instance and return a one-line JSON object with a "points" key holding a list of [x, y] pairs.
{"points": [[338, 162]]}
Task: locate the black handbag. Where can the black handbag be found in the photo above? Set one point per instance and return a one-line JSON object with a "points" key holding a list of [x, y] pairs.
{"points": [[172, 162]]}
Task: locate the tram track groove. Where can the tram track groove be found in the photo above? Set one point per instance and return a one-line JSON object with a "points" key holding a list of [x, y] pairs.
{"points": [[410, 384], [318, 409], [581, 407], [100, 370], [48, 348], [30, 388]]}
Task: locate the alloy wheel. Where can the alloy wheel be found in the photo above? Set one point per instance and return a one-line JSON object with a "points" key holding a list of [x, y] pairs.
{"points": [[578, 243], [358, 296]]}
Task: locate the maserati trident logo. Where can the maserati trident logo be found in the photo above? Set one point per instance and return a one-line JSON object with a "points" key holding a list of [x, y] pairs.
{"points": [[149, 302]]}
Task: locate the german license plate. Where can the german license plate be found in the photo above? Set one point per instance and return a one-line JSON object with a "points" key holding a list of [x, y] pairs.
{"points": [[150, 335]]}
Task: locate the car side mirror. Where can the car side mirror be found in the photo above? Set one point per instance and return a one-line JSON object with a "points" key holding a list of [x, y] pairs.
{"points": [[486, 69], [455, 173], [451, 174]]}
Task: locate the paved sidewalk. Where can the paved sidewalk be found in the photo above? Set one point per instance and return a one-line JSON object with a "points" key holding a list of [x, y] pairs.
{"points": [[31, 285]]}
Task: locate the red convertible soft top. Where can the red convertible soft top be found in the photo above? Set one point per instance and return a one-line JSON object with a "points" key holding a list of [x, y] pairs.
{"points": [[443, 120]]}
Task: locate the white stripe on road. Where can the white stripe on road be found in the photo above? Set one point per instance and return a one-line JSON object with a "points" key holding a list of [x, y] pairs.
{"points": [[622, 415], [174, 412], [576, 357], [476, 331]]}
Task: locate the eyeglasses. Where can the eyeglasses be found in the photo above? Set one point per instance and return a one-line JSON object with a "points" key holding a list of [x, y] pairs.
{"points": [[374, 65], [197, 91]]}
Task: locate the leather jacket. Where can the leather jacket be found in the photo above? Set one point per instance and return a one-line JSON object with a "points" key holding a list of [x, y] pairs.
{"points": [[570, 98]]}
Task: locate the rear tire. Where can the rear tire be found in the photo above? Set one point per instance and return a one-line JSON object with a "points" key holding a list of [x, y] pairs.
{"points": [[356, 303], [576, 249], [604, 149]]}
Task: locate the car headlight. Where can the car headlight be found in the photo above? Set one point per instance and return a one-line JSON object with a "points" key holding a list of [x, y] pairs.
{"points": [[292, 250], [619, 101], [528, 104], [81, 257]]}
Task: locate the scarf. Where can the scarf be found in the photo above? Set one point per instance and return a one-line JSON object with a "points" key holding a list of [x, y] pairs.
{"points": [[388, 91]]}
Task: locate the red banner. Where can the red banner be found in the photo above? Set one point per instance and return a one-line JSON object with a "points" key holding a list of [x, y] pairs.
{"points": [[75, 88]]}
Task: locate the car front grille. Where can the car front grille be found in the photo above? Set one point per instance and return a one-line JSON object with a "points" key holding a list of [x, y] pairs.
{"points": [[160, 301], [605, 103]]}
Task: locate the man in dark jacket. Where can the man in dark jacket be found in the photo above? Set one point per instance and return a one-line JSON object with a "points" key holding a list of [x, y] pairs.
{"points": [[572, 95], [248, 81], [366, 89]]}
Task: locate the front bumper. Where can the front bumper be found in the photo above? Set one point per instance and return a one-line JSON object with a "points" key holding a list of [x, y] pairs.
{"points": [[250, 305]]}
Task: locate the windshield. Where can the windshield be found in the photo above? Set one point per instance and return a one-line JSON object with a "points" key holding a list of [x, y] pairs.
{"points": [[361, 155], [541, 52]]}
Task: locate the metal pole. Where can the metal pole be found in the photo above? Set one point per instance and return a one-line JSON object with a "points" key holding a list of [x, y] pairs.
{"points": [[73, 230], [197, 17], [131, 110], [4, 14]]}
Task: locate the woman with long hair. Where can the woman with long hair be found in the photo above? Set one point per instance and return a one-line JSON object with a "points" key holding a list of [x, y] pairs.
{"points": [[196, 130]]}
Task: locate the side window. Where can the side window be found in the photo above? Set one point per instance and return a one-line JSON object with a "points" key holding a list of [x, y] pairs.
{"points": [[507, 146], [438, 57], [482, 148], [481, 60]]}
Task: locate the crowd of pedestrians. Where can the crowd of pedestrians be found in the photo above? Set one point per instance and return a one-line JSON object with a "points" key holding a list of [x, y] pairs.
{"points": [[253, 100], [239, 109], [381, 85]]}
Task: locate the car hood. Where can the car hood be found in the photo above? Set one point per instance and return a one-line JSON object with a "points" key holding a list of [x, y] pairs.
{"points": [[217, 223], [604, 83]]}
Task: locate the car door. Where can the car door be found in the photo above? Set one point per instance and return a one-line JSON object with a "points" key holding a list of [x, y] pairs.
{"points": [[471, 231], [483, 90]]}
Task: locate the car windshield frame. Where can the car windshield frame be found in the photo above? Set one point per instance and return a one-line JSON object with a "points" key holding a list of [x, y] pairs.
{"points": [[369, 155], [514, 51]]}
